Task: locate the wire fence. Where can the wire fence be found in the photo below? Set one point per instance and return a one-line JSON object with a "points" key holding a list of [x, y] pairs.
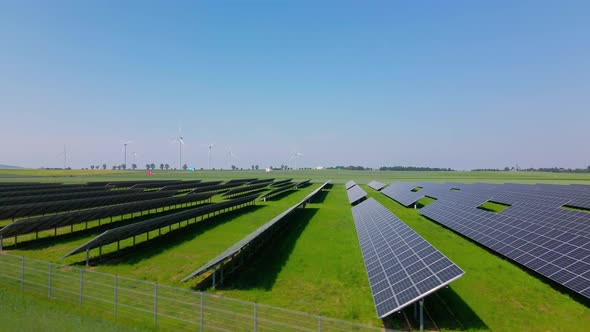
{"points": [[164, 307]]}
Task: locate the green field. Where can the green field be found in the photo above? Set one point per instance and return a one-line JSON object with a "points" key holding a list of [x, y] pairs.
{"points": [[317, 267]]}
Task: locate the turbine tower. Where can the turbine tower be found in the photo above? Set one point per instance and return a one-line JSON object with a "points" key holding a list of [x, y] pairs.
{"points": [[65, 155], [210, 146], [296, 156], [125, 152], [180, 141], [231, 157]]}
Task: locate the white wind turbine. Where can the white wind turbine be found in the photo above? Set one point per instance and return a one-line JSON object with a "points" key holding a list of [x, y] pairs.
{"points": [[124, 150], [64, 154], [209, 153], [180, 141], [231, 157], [296, 156]]}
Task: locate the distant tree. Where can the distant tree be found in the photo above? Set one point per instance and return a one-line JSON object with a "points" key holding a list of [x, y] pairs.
{"points": [[162, 166], [153, 166], [104, 166], [133, 167], [123, 166], [256, 167], [167, 167], [147, 166], [92, 167], [184, 167], [233, 167], [506, 169], [119, 167], [114, 167], [252, 167]]}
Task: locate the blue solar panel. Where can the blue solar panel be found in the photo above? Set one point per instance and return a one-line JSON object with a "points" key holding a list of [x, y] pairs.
{"points": [[401, 266]]}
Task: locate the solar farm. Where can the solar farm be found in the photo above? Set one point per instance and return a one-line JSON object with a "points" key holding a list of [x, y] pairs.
{"points": [[301, 251]]}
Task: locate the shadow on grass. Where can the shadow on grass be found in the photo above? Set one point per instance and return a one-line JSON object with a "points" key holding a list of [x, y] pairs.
{"points": [[281, 195], [443, 310], [320, 197], [51, 240], [156, 245], [265, 265], [252, 192]]}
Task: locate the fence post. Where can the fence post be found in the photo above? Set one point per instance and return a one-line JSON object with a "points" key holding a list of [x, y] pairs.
{"points": [[201, 322], [115, 299], [22, 273], [155, 304], [255, 317], [81, 285], [319, 323], [49, 280]]}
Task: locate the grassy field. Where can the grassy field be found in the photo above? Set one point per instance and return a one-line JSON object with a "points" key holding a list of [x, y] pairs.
{"points": [[30, 313], [363, 177], [317, 267]]}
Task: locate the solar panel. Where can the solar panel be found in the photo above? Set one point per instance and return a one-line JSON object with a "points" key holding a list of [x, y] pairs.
{"points": [[350, 184], [120, 233], [247, 188], [59, 197], [34, 209], [376, 185], [556, 248], [355, 194], [402, 193], [49, 191], [30, 225], [401, 266], [239, 246]]}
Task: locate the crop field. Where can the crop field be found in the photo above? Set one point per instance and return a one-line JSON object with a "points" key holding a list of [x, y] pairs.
{"points": [[316, 266]]}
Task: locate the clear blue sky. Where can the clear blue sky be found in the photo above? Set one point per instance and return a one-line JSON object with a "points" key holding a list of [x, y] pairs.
{"points": [[464, 84]]}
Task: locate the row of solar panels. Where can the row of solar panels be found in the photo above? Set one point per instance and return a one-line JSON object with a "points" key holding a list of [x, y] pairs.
{"points": [[120, 233], [508, 193], [83, 197], [239, 246], [36, 224], [354, 192], [533, 231], [401, 266]]}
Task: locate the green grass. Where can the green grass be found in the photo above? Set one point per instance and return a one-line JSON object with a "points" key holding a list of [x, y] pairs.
{"points": [[317, 267], [504, 296], [31, 313], [494, 207], [338, 176]]}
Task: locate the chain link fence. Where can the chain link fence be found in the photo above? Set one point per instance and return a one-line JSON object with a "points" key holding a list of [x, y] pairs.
{"points": [[167, 308]]}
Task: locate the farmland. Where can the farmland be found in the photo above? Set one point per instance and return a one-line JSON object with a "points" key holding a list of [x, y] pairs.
{"points": [[317, 267]]}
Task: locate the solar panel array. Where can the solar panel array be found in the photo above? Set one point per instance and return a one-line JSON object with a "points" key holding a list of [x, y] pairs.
{"points": [[350, 184], [30, 225], [376, 185], [402, 192], [401, 266], [60, 197], [120, 233], [49, 191], [239, 246], [534, 230], [34, 209], [355, 194]]}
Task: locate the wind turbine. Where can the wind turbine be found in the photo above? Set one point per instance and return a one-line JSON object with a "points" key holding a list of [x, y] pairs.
{"points": [[180, 141], [231, 157], [296, 156], [65, 155], [210, 146], [125, 152]]}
